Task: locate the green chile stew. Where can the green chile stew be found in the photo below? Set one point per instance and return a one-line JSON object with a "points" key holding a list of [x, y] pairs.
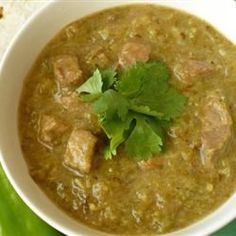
{"points": [[190, 168]]}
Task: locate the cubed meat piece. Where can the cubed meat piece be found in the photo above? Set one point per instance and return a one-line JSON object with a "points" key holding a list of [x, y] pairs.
{"points": [[216, 131], [71, 103], [153, 163], [188, 71], [97, 57], [67, 71], [80, 150], [133, 52], [99, 60], [45, 87], [51, 130]]}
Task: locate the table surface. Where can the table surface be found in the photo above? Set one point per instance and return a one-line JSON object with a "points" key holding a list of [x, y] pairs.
{"points": [[15, 13]]}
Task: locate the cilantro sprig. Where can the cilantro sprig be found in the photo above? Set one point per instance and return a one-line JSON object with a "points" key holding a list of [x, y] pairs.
{"points": [[135, 107]]}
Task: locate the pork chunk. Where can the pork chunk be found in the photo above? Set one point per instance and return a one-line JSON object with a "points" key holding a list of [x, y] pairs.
{"points": [[80, 150], [216, 130], [50, 130], [97, 56], [67, 71], [133, 52], [188, 71], [71, 103]]}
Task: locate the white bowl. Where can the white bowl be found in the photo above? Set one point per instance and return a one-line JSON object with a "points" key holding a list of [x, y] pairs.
{"points": [[18, 60]]}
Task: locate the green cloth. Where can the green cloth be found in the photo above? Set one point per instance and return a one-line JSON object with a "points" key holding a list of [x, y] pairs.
{"points": [[16, 219], [228, 230]]}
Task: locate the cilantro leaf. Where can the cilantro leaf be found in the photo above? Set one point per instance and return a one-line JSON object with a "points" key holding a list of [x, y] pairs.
{"points": [[159, 70], [131, 80], [145, 110], [143, 141], [116, 131], [168, 102], [108, 78], [92, 88], [135, 107], [157, 94], [111, 103], [160, 127], [100, 81]]}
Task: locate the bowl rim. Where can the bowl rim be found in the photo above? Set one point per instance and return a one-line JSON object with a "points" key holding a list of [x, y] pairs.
{"points": [[214, 227]]}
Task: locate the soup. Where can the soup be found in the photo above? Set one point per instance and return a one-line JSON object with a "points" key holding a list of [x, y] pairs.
{"points": [[63, 140]]}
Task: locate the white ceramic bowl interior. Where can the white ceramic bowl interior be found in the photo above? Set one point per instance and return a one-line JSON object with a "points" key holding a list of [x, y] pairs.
{"points": [[18, 60]]}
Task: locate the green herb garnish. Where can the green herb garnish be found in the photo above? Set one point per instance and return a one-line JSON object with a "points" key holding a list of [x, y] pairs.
{"points": [[135, 107]]}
